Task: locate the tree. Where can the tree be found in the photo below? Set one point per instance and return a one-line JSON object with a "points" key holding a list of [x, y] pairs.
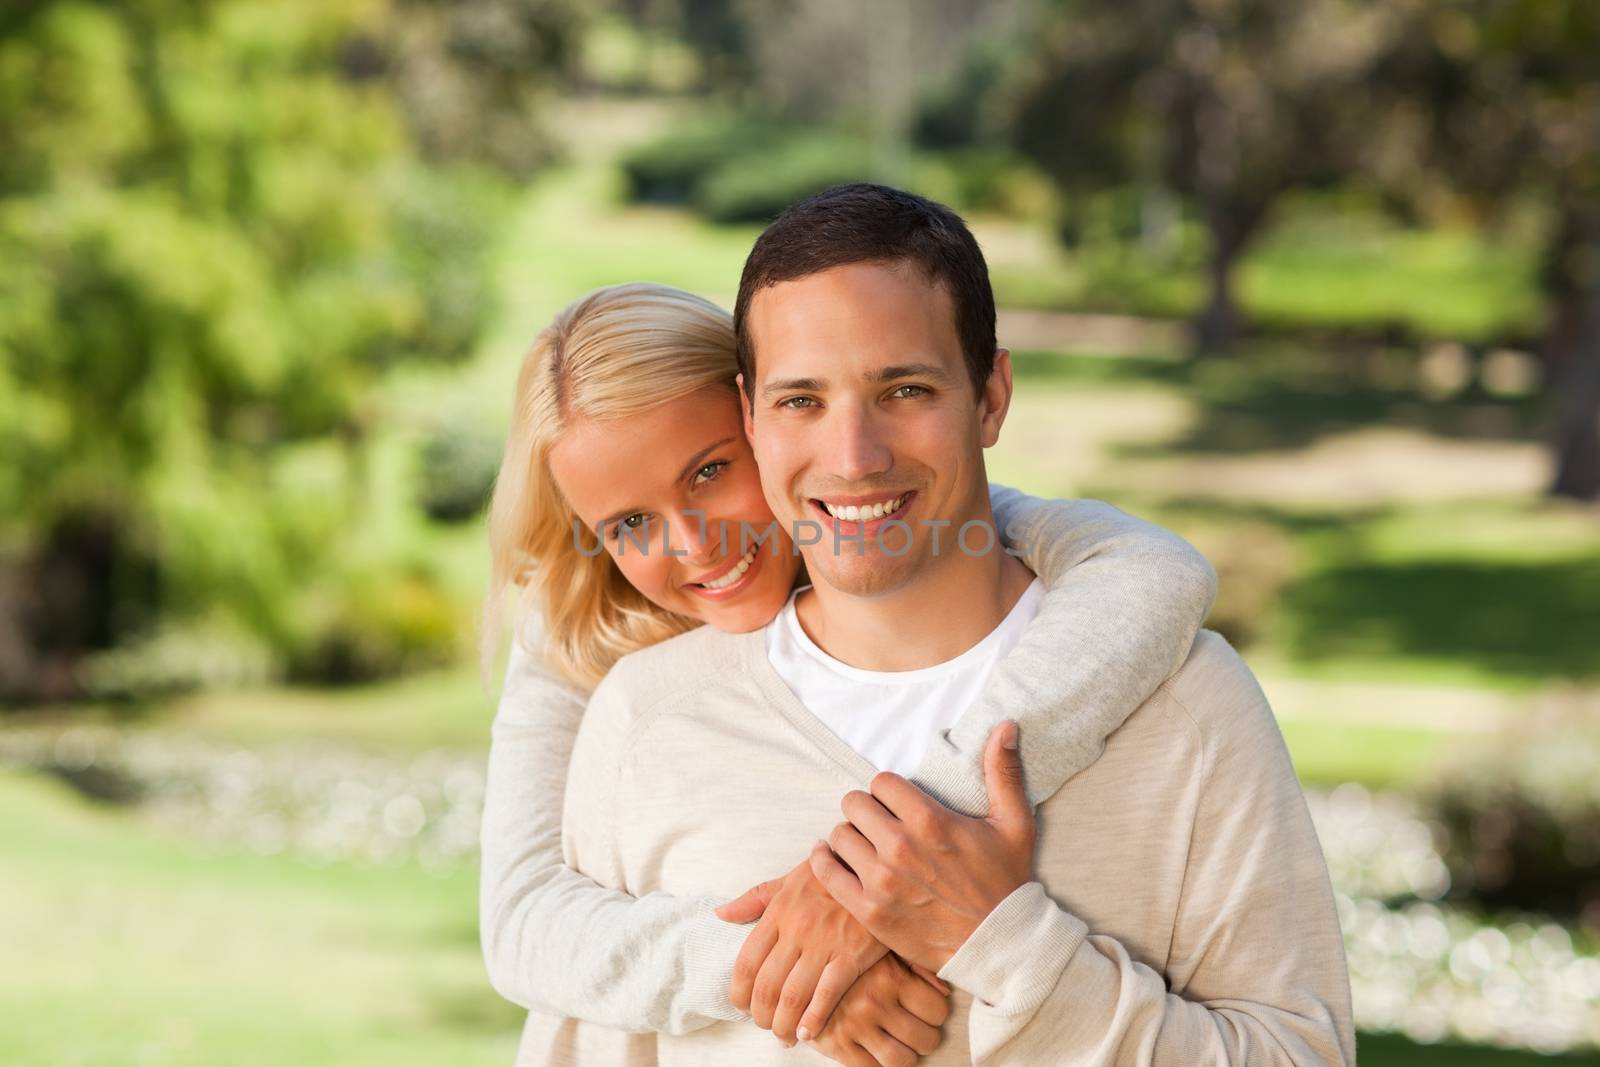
{"points": [[472, 76], [1229, 103], [1511, 93], [212, 241]]}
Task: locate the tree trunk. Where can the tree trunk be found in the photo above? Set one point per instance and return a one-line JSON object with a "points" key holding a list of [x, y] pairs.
{"points": [[1232, 225], [1562, 279], [1577, 444]]}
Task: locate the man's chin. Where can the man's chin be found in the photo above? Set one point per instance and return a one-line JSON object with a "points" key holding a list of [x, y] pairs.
{"points": [[864, 577]]}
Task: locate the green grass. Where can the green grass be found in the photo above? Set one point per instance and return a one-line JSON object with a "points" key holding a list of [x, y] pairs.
{"points": [[1328, 753], [1342, 271], [1487, 592], [399, 717], [1531, 619], [1320, 267], [129, 946], [1491, 591]]}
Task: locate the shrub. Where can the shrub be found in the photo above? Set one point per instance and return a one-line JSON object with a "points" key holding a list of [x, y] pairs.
{"points": [[671, 169], [985, 180], [378, 624], [175, 660], [457, 472], [1522, 815], [757, 186]]}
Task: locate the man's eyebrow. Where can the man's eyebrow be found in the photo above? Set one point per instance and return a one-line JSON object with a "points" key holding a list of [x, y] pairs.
{"points": [[792, 385], [883, 374], [909, 370], [694, 461]]}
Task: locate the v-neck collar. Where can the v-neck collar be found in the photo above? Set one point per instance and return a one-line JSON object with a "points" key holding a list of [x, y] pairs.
{"points": [[852, 765]]}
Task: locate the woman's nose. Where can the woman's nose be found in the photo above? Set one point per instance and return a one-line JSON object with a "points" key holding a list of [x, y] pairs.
{"points": [[693, 537]]}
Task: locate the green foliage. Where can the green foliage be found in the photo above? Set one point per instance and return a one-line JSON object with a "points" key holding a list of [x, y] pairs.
{"points": [[371, 623], [742, 168], [212, 244], [457, 471], [757, 186], [1324, 267], [471, 76], [203, 654], [745, 168], [672, 168], [990, 181]]}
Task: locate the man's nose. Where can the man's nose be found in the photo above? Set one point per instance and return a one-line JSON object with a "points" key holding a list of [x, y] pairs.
{"points": [[857, 443]]}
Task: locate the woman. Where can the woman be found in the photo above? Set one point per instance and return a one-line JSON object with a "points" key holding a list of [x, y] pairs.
{"points": [[631, 391]]}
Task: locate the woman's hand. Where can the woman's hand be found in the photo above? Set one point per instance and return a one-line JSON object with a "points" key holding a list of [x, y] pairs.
{"points": [[889, 1018], [801, 957]]}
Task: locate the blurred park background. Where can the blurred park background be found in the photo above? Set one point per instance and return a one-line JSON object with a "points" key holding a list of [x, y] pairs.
{"points": [[1314, 282]]}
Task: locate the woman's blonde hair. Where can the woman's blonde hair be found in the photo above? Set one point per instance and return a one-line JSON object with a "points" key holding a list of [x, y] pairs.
{"points": [[616, 352]]}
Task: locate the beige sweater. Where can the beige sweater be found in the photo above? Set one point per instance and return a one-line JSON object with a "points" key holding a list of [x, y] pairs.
{"points": [[1182, 913], [1124, 600]]}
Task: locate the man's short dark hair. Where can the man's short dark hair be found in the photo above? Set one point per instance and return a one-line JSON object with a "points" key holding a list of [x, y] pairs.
{"points": [[865, 223]]}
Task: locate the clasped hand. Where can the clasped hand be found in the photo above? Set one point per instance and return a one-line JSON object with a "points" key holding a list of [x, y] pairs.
{"points": [[902, 874]]}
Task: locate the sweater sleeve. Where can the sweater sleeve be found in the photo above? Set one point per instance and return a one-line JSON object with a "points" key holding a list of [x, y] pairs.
{"points": [[1124, 599], [554, 940], [1256, 971]]}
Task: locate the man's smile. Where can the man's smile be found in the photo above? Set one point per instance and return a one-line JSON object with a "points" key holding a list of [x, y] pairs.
{"points": [[854, 516]]}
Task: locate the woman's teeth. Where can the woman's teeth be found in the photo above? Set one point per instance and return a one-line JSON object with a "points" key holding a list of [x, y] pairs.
{"points": [[865, 513], [735, 574]]}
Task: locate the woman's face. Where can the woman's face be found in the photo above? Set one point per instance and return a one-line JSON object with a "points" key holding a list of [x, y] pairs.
{"points": [[676, 498]]}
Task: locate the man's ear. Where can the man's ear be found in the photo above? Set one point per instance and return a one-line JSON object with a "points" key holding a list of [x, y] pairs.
{"points": [[996, 399], [747, 406]]}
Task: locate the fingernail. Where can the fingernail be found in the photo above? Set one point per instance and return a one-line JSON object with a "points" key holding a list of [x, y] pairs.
{"points": [[1009, 739], [803, 1034]]}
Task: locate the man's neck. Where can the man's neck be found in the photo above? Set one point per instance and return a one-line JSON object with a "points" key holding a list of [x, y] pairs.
{"points": [[932, 619]]}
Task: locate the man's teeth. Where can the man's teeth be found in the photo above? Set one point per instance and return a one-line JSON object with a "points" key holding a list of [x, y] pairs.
{"points": [[735, 574], [865, 513]]}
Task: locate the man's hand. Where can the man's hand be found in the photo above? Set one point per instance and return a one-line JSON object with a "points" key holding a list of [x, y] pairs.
{"points": [[921, 877], [801, 958], [890, 1018]]}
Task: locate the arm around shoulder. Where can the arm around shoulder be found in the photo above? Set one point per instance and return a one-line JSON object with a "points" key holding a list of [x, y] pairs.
{"points": [[1124, 599]]}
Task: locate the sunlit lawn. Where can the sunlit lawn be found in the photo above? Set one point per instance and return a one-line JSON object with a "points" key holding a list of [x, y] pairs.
{"points": [[1432, 558], [124, 945]]}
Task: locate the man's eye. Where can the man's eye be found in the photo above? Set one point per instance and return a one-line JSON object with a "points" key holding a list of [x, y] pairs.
{"points": [[708, 473], [906, 392], [797, 402]]}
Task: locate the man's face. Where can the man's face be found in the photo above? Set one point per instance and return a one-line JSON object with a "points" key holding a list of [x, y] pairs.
{"points": [[862, 401]]}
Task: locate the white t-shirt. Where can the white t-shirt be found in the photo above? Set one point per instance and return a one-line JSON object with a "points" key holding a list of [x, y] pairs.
{"points": [[890, 716]]}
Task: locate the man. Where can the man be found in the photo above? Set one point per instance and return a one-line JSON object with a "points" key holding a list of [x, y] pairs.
{"points": [[1179, 910]]}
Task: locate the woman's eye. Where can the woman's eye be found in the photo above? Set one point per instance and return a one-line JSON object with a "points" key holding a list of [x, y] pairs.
{"points": [[708, 473], [632, 522], [905, 392]]}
